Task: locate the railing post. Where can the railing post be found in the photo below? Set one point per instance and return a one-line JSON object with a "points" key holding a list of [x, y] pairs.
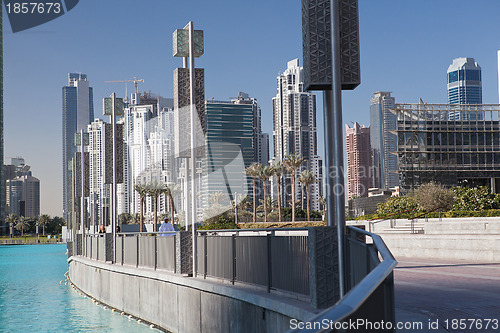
{"points": [[269, 263], [156, 250], [233, 248], [138, 250], [205, 256]]}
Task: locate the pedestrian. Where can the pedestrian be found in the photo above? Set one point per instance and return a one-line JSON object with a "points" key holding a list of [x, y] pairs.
{"points": [[167, 226], [102, 229]]}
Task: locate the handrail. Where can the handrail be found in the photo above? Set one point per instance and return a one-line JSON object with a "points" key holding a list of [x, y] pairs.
{"points": [[254, 230], [359, 294]]}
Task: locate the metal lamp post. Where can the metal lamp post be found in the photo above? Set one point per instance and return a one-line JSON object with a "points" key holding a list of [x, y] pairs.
{"points": [[331, 63], [188, 44], [113, 107]]}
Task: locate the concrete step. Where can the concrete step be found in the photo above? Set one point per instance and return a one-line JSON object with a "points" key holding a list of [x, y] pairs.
{"points": [[405, 229]]}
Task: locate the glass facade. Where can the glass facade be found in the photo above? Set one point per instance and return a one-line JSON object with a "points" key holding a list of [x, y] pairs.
{"points": [[383, 141], [464, 83], [77, 113], [229, 143], [434, 147]]}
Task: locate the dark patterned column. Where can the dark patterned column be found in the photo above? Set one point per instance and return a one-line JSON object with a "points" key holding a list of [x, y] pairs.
{"points": [[323, 266], [183, 253]]}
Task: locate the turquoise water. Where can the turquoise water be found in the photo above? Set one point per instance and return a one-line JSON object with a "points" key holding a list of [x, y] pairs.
{"points": [[33, 300]]}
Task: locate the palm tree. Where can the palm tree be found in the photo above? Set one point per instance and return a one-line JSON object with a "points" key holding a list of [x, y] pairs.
{"points": [[292, 163], [270, 203], [12, 219], [154, 190], [43, 220], [322, 202], [264, 173], [253, 171], [143, 192], [22, 224], [278, 172], [307, 178], [170, 191]]}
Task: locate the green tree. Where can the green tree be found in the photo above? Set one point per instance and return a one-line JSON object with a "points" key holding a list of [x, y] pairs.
{"points": [[55, 225], [264, 173], [155, 189], [170, 191], [253, 171], [12, 219], [218, 210], [432, 197], [43, 220], [142, 190], [292, 163], [23, 223], [124, 218], [278, 170], [307, 178], [322, 202]]}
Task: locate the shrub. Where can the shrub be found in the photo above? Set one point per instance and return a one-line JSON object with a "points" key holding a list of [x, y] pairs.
{"points": [[474, 199], [398, 207], [432, 197]]}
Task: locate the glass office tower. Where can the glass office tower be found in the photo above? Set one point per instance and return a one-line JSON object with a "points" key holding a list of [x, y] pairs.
{"points": [[77, 113], [229, 148], [464, 82], [383, 140]]}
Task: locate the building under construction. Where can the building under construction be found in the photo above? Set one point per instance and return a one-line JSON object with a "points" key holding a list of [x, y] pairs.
{"points": [[434, 144]]}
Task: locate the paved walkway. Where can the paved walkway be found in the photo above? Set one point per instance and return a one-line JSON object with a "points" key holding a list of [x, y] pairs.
{"points": [[443, 291]]}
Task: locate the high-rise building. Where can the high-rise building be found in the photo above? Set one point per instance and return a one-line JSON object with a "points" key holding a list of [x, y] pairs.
{"points": [[464, 82], [260, 140], [229, 148], [432, 146], [383, 140], [77, 113], [294, 129], [358, 151], [22, 190], [149, 148]]}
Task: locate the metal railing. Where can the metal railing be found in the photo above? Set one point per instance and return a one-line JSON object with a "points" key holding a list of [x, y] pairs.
{"points": [[370, 284], [95, 246], [139, 249], [274, 259]]}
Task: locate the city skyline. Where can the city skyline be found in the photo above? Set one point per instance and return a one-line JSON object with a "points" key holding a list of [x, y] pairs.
{"points": [[242, 40]]}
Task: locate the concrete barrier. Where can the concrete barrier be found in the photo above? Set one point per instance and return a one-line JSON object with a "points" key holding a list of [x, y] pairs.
{"points": [[468, 247], [182, 304]]}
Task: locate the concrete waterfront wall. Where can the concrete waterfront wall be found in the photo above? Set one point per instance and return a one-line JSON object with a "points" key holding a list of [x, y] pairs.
{"points": [[468, 247], [470, 238], [182, 304]]}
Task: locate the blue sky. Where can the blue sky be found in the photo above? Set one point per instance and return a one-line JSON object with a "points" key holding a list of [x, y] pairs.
{"points": [[406, 47]]}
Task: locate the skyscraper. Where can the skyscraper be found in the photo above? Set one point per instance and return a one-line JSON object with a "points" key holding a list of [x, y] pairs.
{"points": [[464, 82], [294, 128], [149, 140], [358, 151], [77, 113], [383, 140], [260, 140], [22, 190], [229, 148]]}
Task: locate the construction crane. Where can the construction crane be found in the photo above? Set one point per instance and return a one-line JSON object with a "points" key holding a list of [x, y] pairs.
{"points": [[135, 80]]}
